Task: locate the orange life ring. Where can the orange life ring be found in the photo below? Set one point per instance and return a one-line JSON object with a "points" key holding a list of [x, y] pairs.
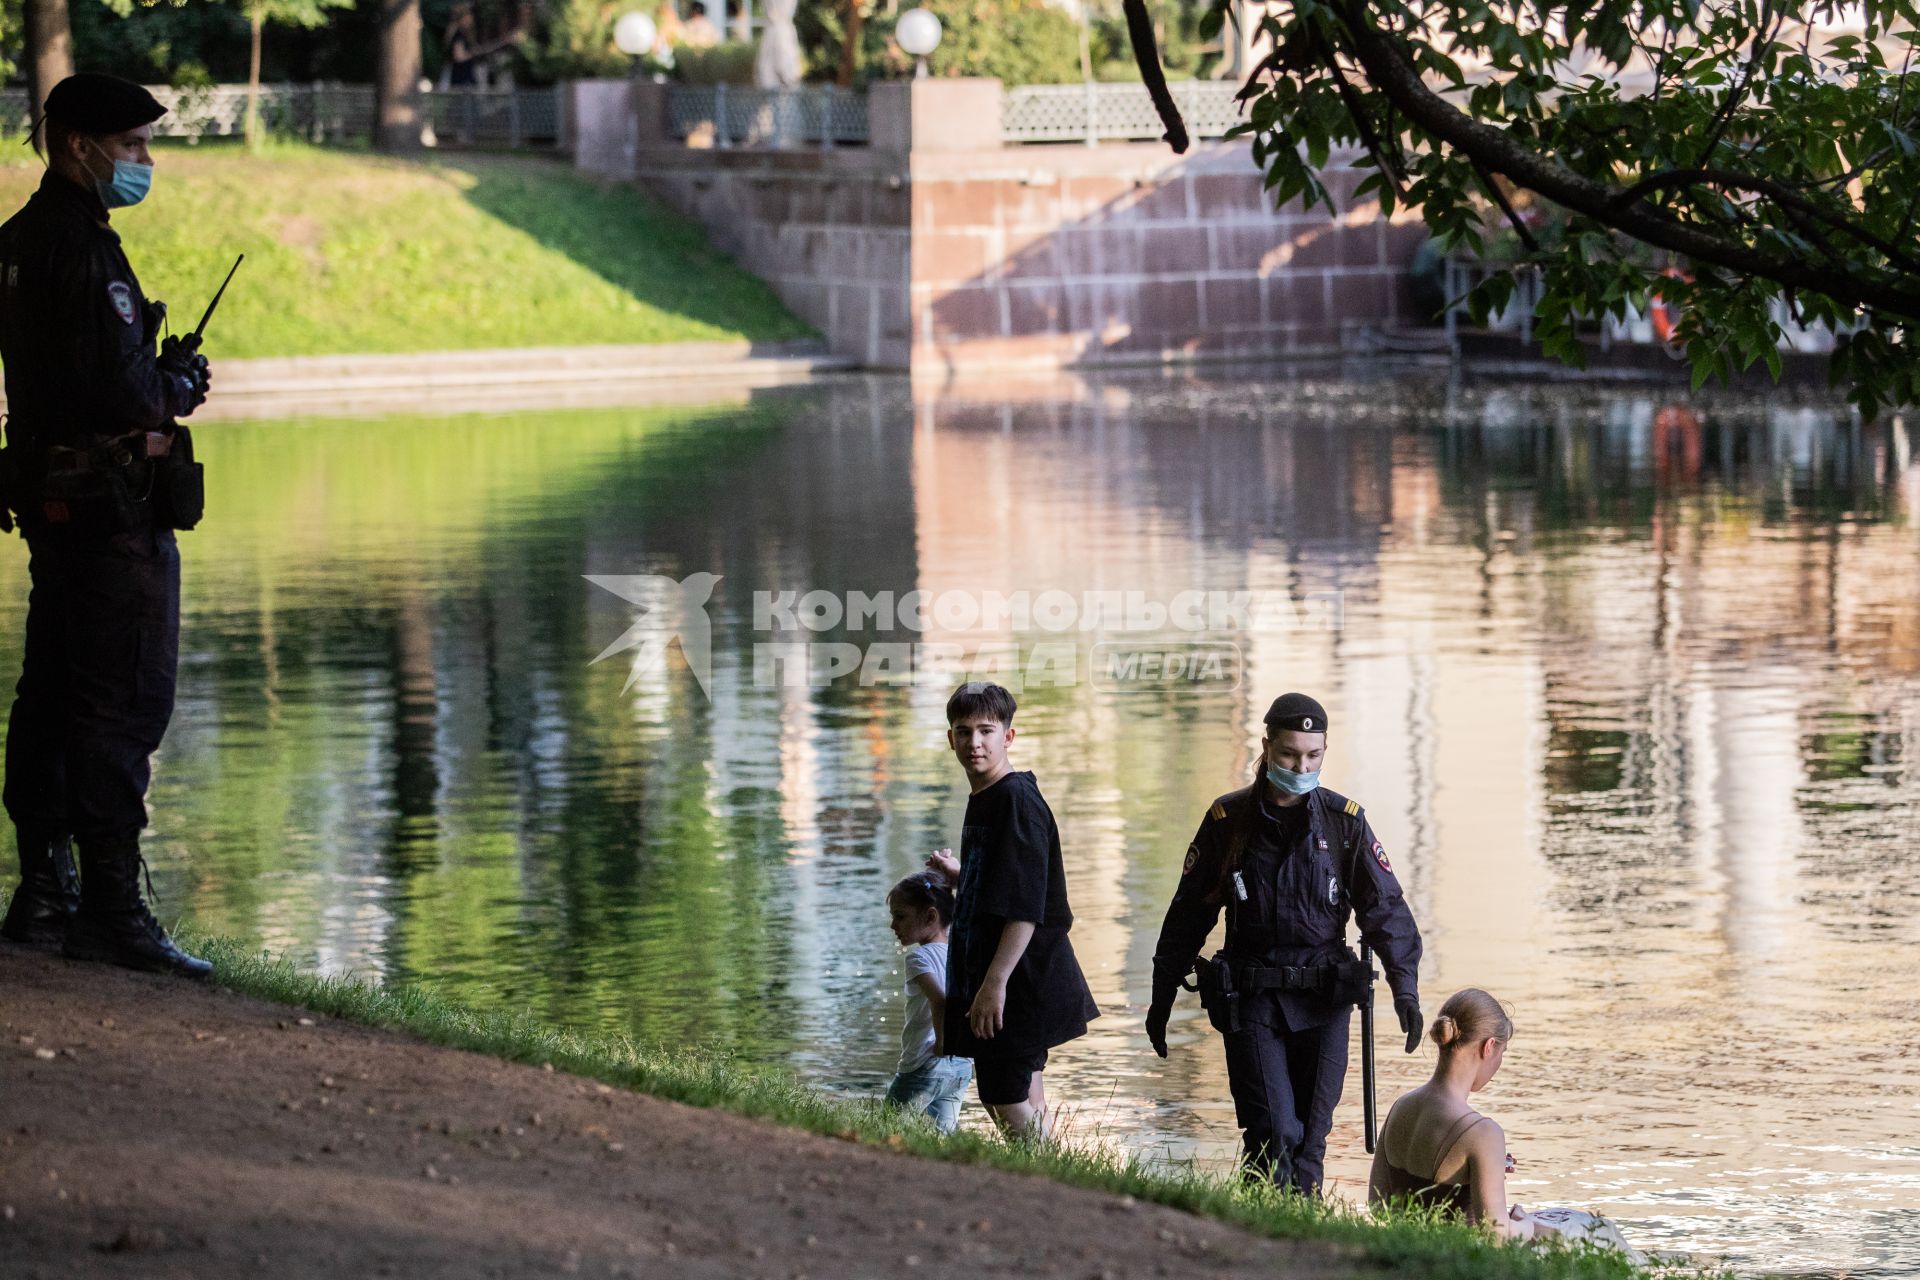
{"points": [[1664, 315]]}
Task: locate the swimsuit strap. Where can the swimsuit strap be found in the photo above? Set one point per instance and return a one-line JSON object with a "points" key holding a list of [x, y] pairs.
{"points": [[1453, 1136]]}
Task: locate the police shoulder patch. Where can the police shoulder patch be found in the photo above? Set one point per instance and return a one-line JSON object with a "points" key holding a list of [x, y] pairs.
{"points": [[1193, 860], [120, 294], [1380, 856]]}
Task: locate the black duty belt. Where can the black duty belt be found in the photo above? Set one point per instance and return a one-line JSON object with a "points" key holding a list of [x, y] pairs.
{"points": [[117, 452], [1287, 977]]}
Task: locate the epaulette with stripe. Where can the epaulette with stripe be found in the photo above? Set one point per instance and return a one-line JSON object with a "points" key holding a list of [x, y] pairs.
{"points": [[1333, 802], [1220, 809]]}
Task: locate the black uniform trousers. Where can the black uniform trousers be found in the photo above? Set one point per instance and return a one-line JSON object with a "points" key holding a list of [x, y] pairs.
{"points": [[1285, 1086], [96, 687]]}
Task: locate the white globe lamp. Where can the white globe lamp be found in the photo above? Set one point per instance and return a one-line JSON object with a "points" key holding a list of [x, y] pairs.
{"points": [[634, 34], [918, 33]]}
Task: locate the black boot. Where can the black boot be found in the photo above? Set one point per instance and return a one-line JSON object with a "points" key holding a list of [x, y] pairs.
{"points": [[49, 891], [113, 924]]}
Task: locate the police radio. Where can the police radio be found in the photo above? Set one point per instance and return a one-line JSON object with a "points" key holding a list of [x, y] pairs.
{"points": [[189, 346]]}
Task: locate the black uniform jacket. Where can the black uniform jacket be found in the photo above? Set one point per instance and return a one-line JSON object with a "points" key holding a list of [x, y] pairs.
{"points": [[1302, 879], [76, 333]]}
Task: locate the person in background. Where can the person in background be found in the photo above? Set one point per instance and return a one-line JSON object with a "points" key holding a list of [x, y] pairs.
{"points": [[928, 1081], [462, 46], [699, 31]]}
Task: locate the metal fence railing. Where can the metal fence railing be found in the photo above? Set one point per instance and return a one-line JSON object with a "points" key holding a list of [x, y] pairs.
{"points": [[496, 117], [729, 116], [714, 115], [338, 112], [1096, 112]]}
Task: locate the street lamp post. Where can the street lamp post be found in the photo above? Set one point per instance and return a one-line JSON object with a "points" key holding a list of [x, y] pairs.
{"points": [[634, 35], [918, 33]]}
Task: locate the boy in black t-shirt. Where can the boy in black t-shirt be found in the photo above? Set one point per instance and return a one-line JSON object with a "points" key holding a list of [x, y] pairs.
{"points": [[1014, 989]]}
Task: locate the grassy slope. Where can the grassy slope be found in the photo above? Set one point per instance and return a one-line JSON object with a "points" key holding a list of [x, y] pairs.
{"points": [[349, 252], [1404, 1245]]}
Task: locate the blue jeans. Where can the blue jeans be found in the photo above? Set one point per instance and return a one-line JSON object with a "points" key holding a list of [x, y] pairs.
{"points": [[934, 1090]]}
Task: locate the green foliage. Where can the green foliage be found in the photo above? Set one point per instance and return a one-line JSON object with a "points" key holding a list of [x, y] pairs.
{"points": [[1013, 41], [291, 13], [575, 42], [729, 62], [350, 253], [182, 45], [12, 37], [1184, 53], [1761, 159]]}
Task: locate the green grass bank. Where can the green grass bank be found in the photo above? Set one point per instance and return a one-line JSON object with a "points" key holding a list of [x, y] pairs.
{"points": [[1402, 1245], [349, 252]]}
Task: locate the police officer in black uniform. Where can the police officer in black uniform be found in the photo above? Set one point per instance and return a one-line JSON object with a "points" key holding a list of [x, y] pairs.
{"points": [[100, 474], [1288, 860]]}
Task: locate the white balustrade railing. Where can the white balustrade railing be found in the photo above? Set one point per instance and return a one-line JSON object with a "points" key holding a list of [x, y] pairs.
{"points": [[1099, 112]]}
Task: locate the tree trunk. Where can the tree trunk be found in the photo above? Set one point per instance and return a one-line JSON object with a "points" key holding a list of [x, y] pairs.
{"points": [[49, 48], [256, 20], [396, 120], [850, 46]]}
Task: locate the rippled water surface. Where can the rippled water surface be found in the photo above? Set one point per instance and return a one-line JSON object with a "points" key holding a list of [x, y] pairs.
{"points": [[1630, 690]]}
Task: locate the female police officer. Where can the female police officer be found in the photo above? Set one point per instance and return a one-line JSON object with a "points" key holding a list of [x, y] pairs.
{"points": [[102, 475], [1288, 859]]}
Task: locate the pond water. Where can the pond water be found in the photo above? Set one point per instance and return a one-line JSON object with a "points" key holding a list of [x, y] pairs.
{"points": [[1630, 690]]}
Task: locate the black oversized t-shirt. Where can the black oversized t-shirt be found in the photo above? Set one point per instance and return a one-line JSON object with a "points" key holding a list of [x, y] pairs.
{"points": [[1010, 869]]}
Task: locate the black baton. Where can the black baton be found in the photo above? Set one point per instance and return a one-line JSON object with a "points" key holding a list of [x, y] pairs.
{"points": [[1366, 1046]]}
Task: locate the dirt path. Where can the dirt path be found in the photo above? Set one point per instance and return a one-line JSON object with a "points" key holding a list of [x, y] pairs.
{"points": [[154, 1128]]}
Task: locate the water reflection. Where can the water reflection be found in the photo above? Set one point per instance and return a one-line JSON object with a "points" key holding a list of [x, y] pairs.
{"points": [[1629, 687]]}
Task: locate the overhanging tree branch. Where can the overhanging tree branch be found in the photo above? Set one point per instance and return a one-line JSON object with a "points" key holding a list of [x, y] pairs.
{"points": [[1789, 200], [1394, 76], [1146, 55]]}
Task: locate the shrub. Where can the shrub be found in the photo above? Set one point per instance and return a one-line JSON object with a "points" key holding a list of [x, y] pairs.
{"points": [[1013, 41], [730, 62]]}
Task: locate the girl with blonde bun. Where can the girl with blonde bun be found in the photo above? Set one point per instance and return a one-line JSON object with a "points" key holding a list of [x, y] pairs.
{"points": [[1434, 1148]]}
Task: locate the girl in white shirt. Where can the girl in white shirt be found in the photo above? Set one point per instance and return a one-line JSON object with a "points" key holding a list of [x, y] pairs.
{"points": [[927, 1080]]}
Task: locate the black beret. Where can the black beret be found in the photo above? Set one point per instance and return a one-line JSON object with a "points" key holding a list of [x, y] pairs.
{"points": [[90, 102], [1296, 711]]}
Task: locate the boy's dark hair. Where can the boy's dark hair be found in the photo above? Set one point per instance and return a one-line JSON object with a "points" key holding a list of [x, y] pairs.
{"points": [[925, 889], [977, 697]]}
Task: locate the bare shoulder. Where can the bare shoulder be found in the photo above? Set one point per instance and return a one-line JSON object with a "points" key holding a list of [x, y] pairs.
{"points": [[1485, 1139], [1402, 1119]]}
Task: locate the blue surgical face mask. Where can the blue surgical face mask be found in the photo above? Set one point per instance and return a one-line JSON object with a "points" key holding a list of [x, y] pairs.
{"points": [[1294, 784], [128, 185]]}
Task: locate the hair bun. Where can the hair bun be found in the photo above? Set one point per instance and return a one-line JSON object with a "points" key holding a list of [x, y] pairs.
{"points": [[1445, 1030]]}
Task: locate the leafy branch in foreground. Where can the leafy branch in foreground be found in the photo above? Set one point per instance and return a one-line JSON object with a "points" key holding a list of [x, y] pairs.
{"points": [[1740, 160]]}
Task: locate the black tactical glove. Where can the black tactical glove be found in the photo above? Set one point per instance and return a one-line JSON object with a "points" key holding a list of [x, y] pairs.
{"points": [[188, 372], [1157, 1028], [1407, 1009]]}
